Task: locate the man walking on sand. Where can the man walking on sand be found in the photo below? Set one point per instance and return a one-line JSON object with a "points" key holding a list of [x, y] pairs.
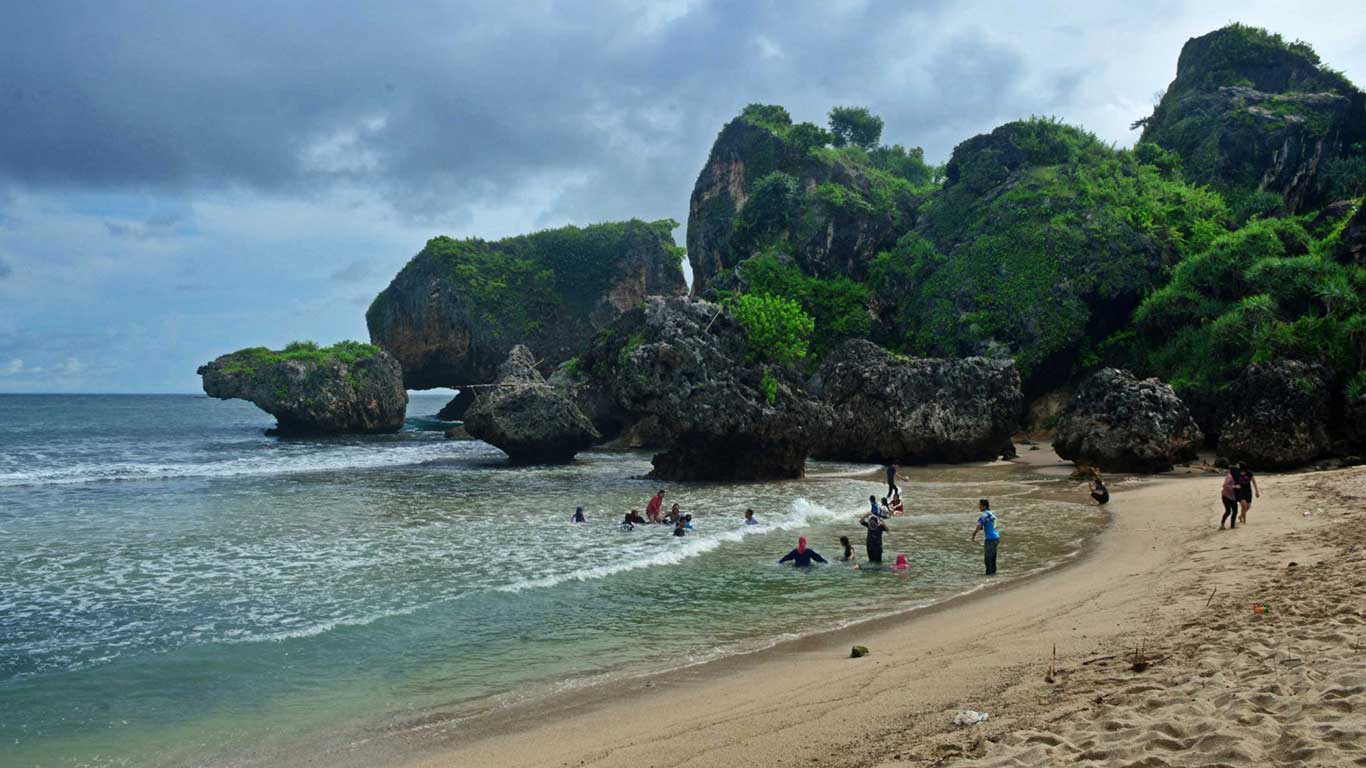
{"points": [[992, 538]]}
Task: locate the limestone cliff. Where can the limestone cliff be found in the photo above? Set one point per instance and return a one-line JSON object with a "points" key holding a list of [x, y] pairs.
{"points": [[452, 315]]}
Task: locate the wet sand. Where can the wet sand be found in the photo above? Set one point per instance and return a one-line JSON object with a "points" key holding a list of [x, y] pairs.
{"points": [[1224, 686]]}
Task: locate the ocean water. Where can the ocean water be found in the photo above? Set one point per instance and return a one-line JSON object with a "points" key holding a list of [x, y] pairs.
{"points": [[177, 588]]}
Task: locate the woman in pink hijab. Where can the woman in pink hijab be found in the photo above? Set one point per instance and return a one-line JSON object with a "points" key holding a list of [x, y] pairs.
{"points": [[802, 556], [901, 562]]}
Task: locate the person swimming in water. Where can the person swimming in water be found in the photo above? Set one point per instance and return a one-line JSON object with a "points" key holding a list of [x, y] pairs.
{"points": [[673, 515], [631, 520], [687, 521], [679, 528], [901, 563], [578, 516], [749, 517], [801, 557]]}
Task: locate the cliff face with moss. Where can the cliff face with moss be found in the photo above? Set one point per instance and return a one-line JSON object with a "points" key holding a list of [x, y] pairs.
{"points": [[1229, 237], [1259, 119], [772, 184], [453, 314]]}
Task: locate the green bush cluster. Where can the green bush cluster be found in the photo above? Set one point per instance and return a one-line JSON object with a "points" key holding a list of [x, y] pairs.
{"points": [[777, 329], [251, 359], [838, 307]]}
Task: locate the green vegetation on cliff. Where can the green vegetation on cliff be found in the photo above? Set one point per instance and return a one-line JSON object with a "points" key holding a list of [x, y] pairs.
{"points": [[252, 359], [512, 288]]}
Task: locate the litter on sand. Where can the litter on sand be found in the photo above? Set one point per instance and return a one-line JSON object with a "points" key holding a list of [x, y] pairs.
{"points": [[1261, 608], [969, 717]]}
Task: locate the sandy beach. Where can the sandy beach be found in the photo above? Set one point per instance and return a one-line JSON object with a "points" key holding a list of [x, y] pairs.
{"points": [[1223, 685]]}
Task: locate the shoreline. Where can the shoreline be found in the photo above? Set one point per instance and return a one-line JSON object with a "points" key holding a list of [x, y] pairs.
{"points": [[803, 700]]}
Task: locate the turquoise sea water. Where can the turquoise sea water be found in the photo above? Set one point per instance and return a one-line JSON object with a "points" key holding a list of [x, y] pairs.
{"points": [[176, 588]]}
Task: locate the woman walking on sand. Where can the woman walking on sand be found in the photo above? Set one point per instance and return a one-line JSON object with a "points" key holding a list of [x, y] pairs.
{"points": [[1230, 498]]}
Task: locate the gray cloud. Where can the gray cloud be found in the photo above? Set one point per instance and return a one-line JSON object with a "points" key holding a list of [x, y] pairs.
{"points": [[354, 272]]}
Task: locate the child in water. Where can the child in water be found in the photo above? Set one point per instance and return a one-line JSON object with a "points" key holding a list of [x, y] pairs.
{"points": [[578, 516], [848, 556], [749, 517], [679, 529]]}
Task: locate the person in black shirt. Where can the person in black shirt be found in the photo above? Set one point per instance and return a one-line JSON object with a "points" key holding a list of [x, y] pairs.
{"points": [[1099, 492], [578, 516], [801, 557], [892, 488], [1247, 485], [876, 527]]}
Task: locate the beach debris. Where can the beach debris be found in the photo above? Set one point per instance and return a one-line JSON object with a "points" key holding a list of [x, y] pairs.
{"points": [[858, 652], [1261, 609], [1211, 596], [1140, 660], [969, 717], [1052, 667]]}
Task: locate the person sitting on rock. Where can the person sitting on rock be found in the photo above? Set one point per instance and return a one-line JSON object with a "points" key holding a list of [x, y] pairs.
{"points": [[801, 557], [578, 516], [1099, 492]]}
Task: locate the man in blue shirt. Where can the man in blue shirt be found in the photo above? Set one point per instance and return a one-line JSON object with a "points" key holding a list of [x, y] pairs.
{"points": [[987, 522]]}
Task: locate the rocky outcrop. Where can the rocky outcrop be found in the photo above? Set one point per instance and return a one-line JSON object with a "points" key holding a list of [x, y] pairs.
{"points": [[684, 364], [1121, 424], [1249, 112], [523, 416], [453, 314], [1275, 415], [826, 236], [889, 408], [347, 388]]}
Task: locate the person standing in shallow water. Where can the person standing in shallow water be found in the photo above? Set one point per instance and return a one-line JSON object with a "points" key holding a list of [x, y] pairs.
{"points": [[656, 505], [876, 527], [801, 557], [892, 488], [578, 516], [986, 522]]}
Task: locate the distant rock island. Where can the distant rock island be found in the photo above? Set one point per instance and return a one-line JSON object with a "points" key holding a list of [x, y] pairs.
{"points": [[310, 390]]}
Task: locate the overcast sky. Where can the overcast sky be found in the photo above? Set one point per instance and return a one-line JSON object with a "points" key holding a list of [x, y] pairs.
{"points": [[182, 179]]}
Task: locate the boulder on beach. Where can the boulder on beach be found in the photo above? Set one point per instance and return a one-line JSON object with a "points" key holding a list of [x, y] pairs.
{"points": [[1122, 424], [891, 408], [1275, 415], [526, 418], [345, 388], [686, 365]]}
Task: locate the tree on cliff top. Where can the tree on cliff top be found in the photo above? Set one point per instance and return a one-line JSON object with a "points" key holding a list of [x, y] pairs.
{"points": [[855, 125]]}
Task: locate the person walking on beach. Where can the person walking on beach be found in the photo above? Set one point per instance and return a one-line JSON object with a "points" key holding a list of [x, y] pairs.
{"points": [[876, 527], [1230, 498], [801, 557], [986, 522], [578, 516], [1247, 485], [891, 479], [656, 504], [1099, 492], [749, 517]]}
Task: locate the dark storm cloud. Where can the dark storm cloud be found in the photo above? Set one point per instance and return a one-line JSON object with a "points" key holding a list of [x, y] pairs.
{"points": [[436, 109]]}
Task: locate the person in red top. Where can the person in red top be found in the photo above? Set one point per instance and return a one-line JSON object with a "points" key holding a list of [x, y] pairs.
{"points": [[653, 508]]}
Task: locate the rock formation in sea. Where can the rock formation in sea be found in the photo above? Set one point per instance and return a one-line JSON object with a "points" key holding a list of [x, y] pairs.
{"points": [[349, 387], [1275, 415], [1122, 424], [526, 418], [891, 408], [453, 314], [686, 364]]}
